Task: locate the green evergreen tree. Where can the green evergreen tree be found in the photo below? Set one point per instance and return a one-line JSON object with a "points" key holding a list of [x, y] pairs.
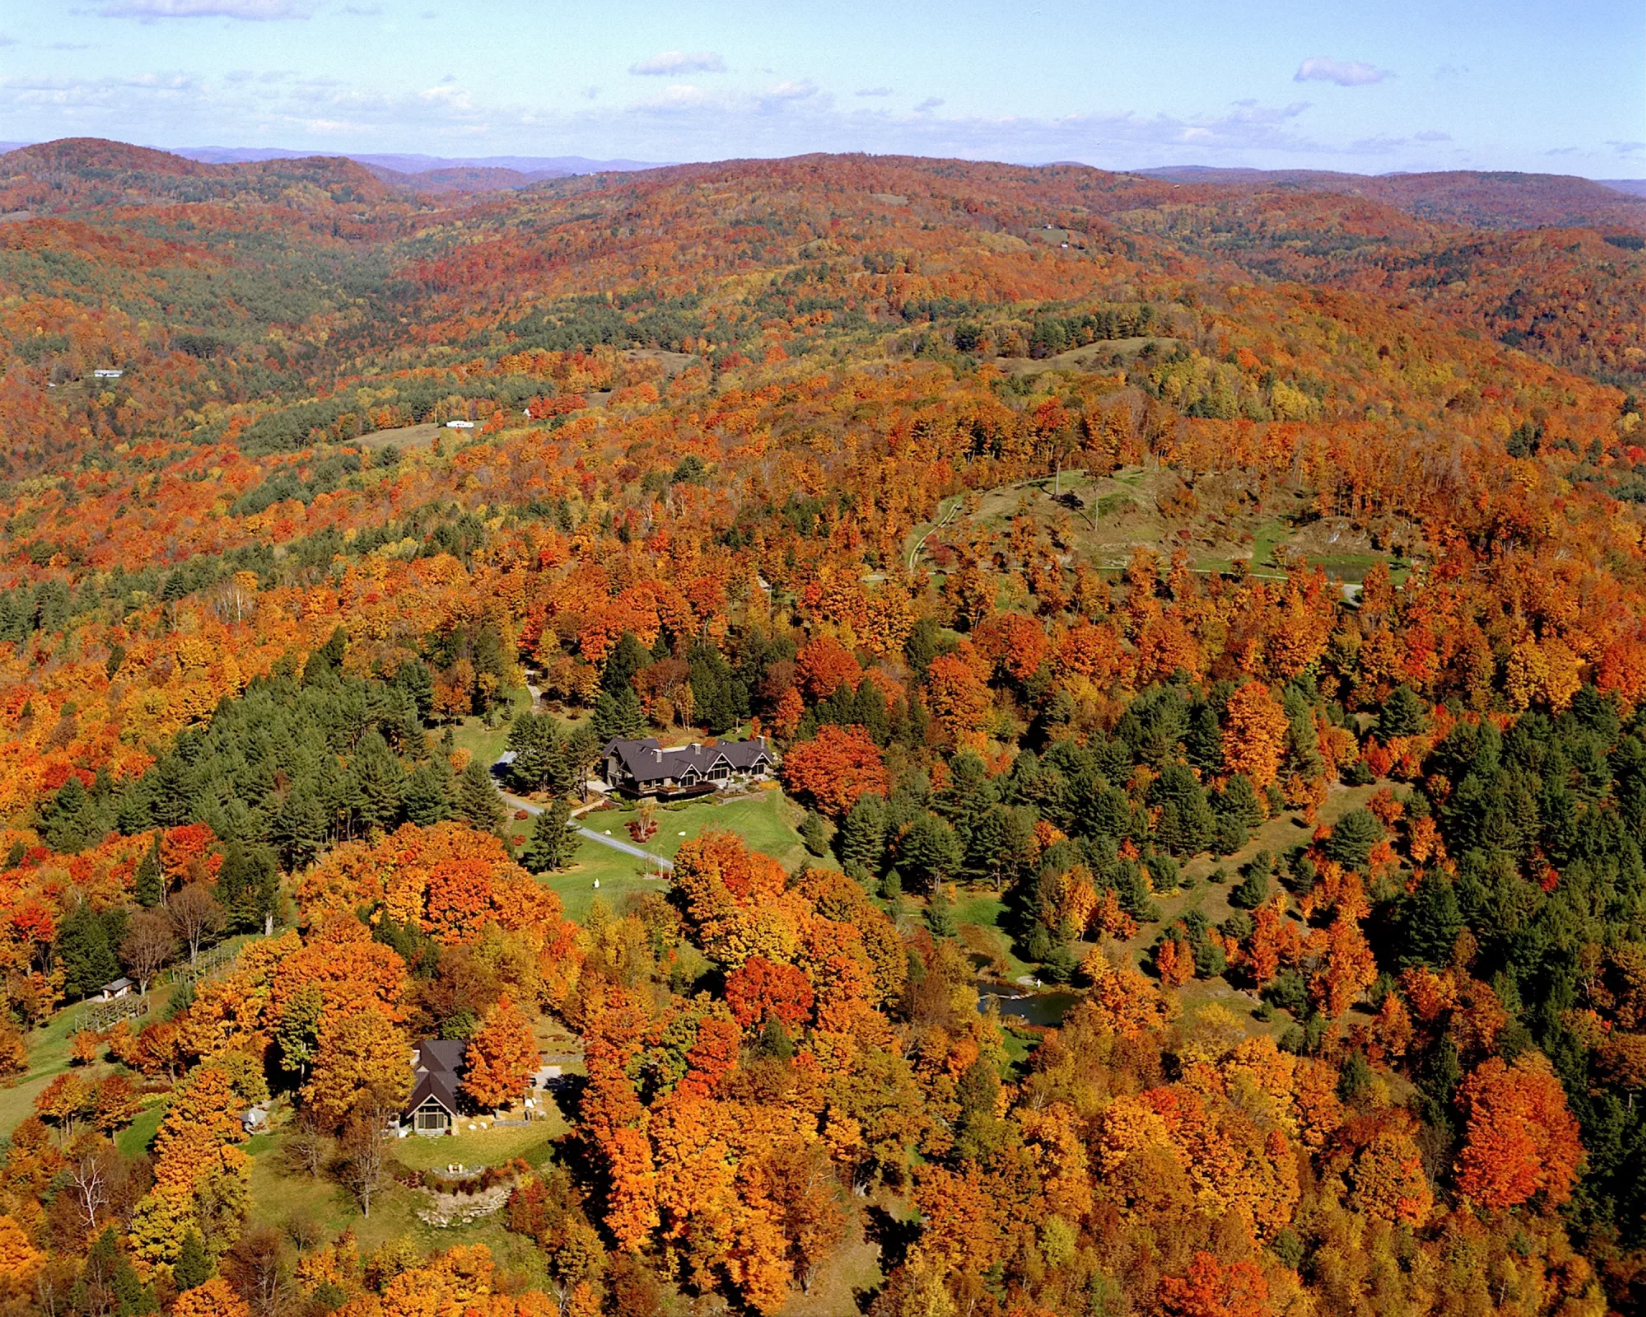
{"points": [[1431, 921], [929, 851], [477, 799], [248, 886], [299, 827], [627, 657], [193, 1265], [618, 716], [83, 951], [1403, 714], [428, 793], [940, 914], [1203, 746], [150, 884], [378, 781], [414, 678], [1353, 837], [862, 838], [814, 833], [1254, 891], [553, 840], [327, 661]]}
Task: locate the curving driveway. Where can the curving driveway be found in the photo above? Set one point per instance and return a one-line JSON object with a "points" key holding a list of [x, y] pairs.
{"points": [[657, 861]]}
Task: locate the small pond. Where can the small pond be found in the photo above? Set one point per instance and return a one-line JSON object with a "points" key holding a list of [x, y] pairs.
{"points": [[1042, 1008]]}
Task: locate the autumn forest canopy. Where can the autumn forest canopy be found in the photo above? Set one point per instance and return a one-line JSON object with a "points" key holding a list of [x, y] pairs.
{"points": [[1200, 628]]}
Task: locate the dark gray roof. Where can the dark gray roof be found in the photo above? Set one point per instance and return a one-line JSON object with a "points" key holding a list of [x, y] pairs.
{"points": [[441, 1085], [647, 761], [441, 1054], [438, 1062]]}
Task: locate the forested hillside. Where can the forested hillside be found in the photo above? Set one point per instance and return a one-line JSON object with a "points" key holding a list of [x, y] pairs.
{"points": [[1203, 628]]}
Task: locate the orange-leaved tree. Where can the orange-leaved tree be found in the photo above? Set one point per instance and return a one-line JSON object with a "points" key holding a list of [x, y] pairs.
{"points": [[835, 768], [1520, 1140], [502, 1057]]}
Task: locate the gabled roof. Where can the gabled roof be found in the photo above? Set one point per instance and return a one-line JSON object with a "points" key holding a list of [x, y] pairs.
{"points": [[439, 1061], [647, 761], [441, 1054], [441, 1085]]}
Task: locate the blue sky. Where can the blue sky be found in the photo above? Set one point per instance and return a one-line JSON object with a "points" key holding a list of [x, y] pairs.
{"points": [[1403, 84]]}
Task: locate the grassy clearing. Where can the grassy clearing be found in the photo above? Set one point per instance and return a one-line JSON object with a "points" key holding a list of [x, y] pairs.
{"points": [[404, 437], [485, 743], [134, 1140], [986, 911], [765, 820], [280, 1193], [487, 1147]]}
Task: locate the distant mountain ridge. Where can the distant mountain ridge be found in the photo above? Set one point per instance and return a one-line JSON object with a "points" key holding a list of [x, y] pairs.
{"points": [[429, 173], [1494, 199], [560, 165]]}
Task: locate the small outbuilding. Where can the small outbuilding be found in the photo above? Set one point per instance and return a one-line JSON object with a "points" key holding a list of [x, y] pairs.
{"points": [[117, 989], [254, 1120]]}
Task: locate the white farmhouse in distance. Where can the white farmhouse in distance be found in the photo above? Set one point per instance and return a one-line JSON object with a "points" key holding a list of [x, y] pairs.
{"points": [[460, 425]]}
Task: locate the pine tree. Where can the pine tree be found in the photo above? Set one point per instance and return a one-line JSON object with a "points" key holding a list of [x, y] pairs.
{"points": [[553, 840], [414, 678], [428, 793], [299, 827], [1254, 891], [477, 800], [84, 952], [150, 885], [814, 833], [862, 838], [1432, 919], [193, 1265], [929, 851], [1403, 714], [624, 659], [618, 716], [379, 781]]}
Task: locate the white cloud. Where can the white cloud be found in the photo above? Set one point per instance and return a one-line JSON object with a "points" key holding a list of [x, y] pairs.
{"points": [[1345, 73], [256, 10], [672, 63], [874, 91], [1431, 136], [930, 103], [790, 91], [1626, 148]]}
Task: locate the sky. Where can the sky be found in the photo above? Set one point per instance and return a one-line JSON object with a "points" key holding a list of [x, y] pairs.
{"points": [[1362, 87]]}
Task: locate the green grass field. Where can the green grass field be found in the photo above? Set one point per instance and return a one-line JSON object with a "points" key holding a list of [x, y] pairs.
{"points": [[488, 1147], [765, 821]]}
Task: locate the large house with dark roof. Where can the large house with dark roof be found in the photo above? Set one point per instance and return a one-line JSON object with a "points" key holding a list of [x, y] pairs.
{"points": [[437, 1064], [645, 768]]}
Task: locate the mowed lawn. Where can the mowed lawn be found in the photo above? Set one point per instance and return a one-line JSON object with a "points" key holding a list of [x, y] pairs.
{"points": [[766, 821]]}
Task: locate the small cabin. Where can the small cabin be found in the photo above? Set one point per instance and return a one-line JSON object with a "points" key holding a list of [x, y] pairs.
{"points": [[254, 1120], [437, 1065], [116, 990]]}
